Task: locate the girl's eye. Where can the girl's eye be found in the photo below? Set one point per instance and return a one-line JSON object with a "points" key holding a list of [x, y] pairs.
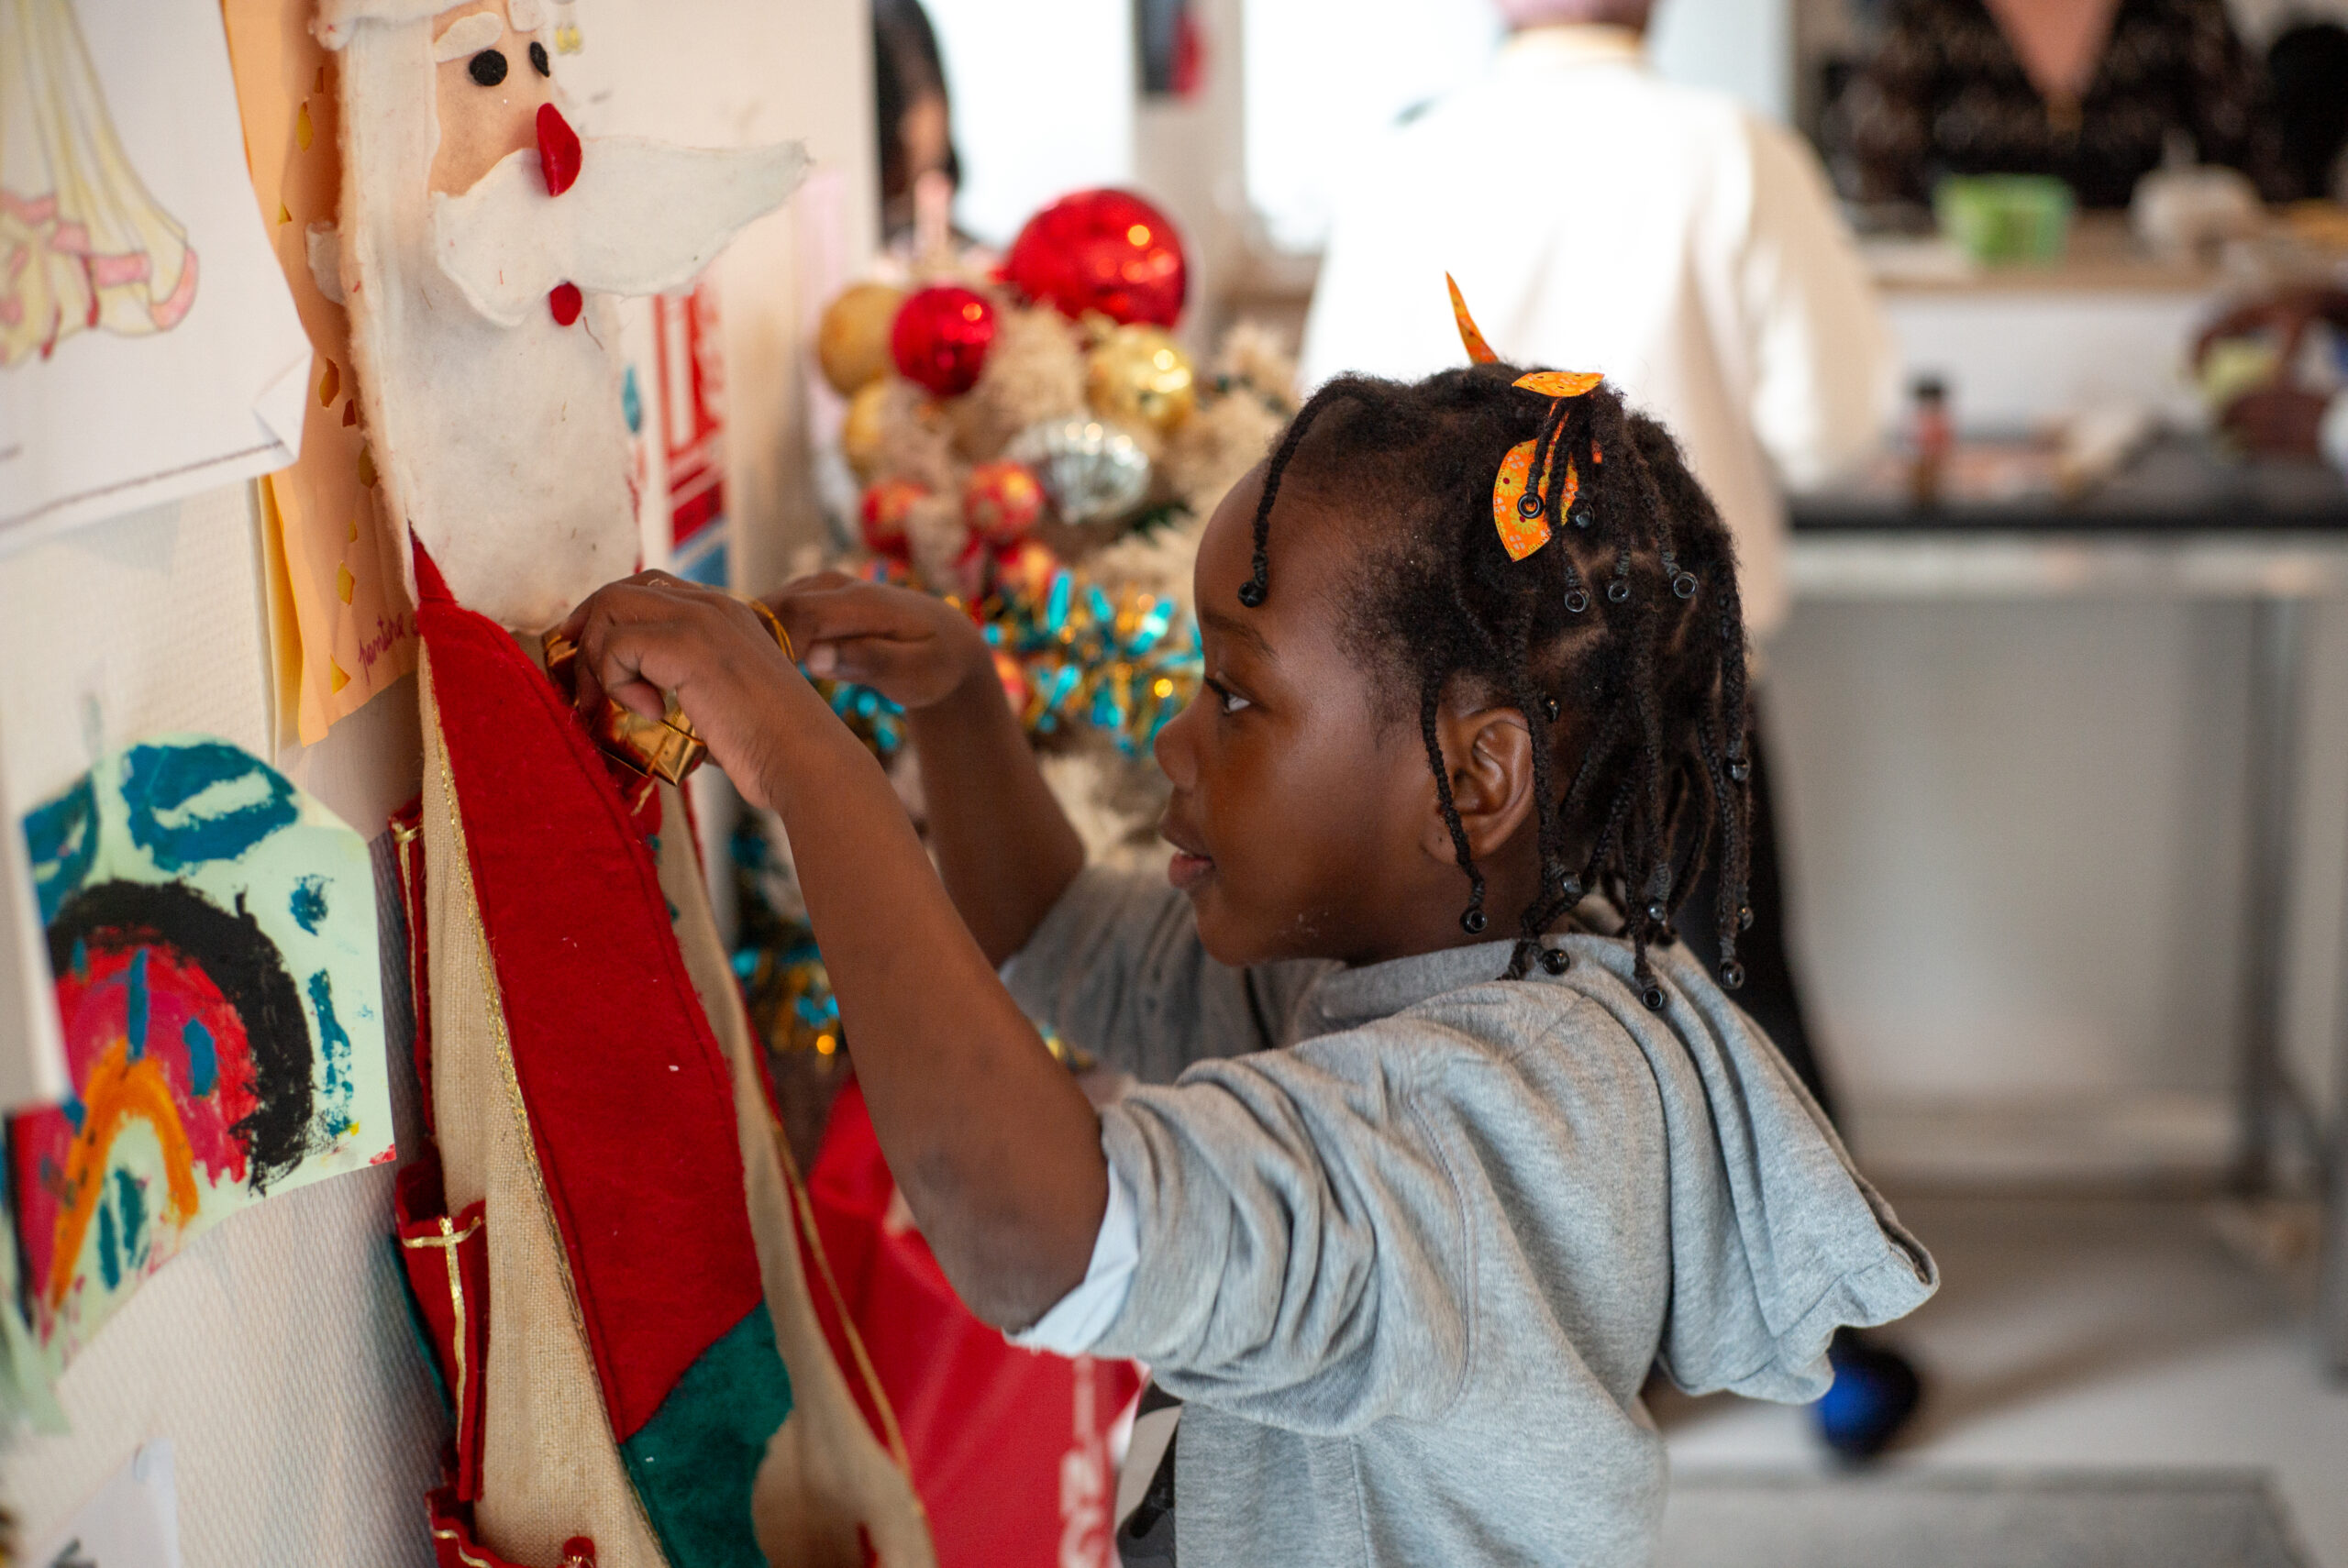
{"points": [[1226, 701], [488, 67]]}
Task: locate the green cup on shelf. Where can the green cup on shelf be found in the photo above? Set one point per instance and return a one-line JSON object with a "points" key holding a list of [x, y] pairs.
{"points": [[2002, 219]]}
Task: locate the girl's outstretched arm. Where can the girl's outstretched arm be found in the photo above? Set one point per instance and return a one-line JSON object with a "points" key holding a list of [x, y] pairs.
{"points": [[995, 1148], [1003, 845]]}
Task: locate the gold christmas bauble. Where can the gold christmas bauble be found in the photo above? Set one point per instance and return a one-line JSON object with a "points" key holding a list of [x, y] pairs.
{"points": [[860, 431], [852, 343], [1139, 375]]}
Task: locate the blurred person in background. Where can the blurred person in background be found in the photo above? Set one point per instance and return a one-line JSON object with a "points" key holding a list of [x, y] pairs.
{"points": [[1600, 218], [2299, 407], [2091, 92], [915, 117]]}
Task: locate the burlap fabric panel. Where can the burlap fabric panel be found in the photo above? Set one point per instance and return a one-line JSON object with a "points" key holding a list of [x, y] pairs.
{"points": [[550, 1468], [826, 1473]]}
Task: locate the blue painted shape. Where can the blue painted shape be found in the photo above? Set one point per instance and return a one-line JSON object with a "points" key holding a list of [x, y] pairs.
{"points": [[632, 401], [203, 1058], [62, 838], [109, 1248], [134, 1007], [131, 1195], [177, 817], [309, 903], [332, 1041]]}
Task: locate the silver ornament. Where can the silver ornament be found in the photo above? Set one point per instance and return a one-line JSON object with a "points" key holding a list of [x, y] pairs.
{"points": [[1094, 472]]}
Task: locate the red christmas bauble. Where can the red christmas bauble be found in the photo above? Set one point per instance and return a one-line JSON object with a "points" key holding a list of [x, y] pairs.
{"points": [[882, 516], [1001, 501], [941, 337], [1104, 251]]}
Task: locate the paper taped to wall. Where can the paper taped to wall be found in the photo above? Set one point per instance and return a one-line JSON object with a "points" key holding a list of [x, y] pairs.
{"points": [[32, 1053], [211, 935], [148, 346]]}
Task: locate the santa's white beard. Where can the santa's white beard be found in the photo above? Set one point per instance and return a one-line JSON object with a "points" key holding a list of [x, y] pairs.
{"points": [[522, 497], [497, 429]]}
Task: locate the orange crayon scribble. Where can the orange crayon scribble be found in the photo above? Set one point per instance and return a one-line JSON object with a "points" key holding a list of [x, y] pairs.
{"points": [[119, 1091]]}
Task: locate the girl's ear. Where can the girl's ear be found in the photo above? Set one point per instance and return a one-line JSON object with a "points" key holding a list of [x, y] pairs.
{"points": [[1488, 756]]}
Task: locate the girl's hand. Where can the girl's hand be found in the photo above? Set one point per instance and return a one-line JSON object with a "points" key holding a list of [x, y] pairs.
{"points": [[654, 634], [915, 650]]}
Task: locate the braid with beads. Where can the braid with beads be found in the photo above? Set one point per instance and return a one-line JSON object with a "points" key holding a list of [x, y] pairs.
{"points": [[1639, 687]]}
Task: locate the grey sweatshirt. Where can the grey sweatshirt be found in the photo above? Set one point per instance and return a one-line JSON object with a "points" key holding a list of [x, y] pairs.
{"points": [[1411, 1236]]}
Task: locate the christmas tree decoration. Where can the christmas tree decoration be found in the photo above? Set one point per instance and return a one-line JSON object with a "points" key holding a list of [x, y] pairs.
{"points": [[1094, 472], [940, 338], [1104, 251], [1139, 375], [852, 340], [883, 514], [863, 430], [1001, 502]]}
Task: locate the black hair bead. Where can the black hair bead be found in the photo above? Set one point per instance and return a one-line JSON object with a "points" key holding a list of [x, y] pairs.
{"points": [[1251, 593], [487, 68], [1653, 995], [1577, 600], [1684, 585], [1731, 974], [1556, 960], [1581, 516], [1473, 921], [1571, 888], [538, 58], [1656, 912], [1617, 591], [1740, 768], [1549, 709], [1528, 505]]}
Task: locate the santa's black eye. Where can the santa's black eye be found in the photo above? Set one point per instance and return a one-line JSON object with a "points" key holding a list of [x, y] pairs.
{"points": [[538, 58], [488, 67]]}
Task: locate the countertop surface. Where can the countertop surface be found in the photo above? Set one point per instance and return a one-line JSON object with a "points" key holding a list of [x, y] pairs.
{"points": [[2176, 484]]}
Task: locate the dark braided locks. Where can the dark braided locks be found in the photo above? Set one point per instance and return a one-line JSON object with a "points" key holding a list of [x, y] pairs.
{"points": [[1621, 640]]}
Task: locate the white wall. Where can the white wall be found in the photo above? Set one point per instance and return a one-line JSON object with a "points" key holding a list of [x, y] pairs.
{"points": [[1740, 47], [1042, 95]]}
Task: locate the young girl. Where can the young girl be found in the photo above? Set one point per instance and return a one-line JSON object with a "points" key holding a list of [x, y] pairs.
{"points": [[1410, 1208]]}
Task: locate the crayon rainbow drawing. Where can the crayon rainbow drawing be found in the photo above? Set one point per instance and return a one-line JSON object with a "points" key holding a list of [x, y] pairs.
{"points": [[212, 941]]}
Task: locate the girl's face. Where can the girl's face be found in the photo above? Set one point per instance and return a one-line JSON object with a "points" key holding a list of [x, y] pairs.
{"points": [[1298, 820]]}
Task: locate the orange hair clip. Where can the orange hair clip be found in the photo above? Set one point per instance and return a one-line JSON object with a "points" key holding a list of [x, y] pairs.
{"points": [[1519, 512]]}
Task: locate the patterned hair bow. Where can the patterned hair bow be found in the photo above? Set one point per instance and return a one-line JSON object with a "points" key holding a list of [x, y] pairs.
{"points": [[1521, 505]]}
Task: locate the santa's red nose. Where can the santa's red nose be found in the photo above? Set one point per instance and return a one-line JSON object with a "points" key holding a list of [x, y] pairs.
{"points": [[557, 149]]}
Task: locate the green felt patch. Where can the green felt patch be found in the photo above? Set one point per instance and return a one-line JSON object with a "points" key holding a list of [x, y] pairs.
{"points": [[693, 1461]]}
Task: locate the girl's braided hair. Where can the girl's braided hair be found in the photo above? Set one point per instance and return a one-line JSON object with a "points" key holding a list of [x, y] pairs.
{"points": [[1622, 637]]}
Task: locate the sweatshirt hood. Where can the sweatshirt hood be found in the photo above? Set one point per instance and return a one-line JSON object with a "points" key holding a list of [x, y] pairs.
{"points": [[1776, 1239]]}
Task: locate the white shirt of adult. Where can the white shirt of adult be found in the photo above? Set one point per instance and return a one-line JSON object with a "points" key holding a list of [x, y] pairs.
{"points": [[1601, 218]]}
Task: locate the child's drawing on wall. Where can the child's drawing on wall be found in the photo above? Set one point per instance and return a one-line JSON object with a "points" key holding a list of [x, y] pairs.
{"points": [[82, 245]]}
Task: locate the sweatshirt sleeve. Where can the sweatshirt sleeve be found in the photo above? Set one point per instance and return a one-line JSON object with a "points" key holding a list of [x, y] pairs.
{"points": [[1117, 969], [1303, 1253]]}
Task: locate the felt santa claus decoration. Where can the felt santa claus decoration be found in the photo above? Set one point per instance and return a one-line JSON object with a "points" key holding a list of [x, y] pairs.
{"points": [[480, 243], [606, 1247]]}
